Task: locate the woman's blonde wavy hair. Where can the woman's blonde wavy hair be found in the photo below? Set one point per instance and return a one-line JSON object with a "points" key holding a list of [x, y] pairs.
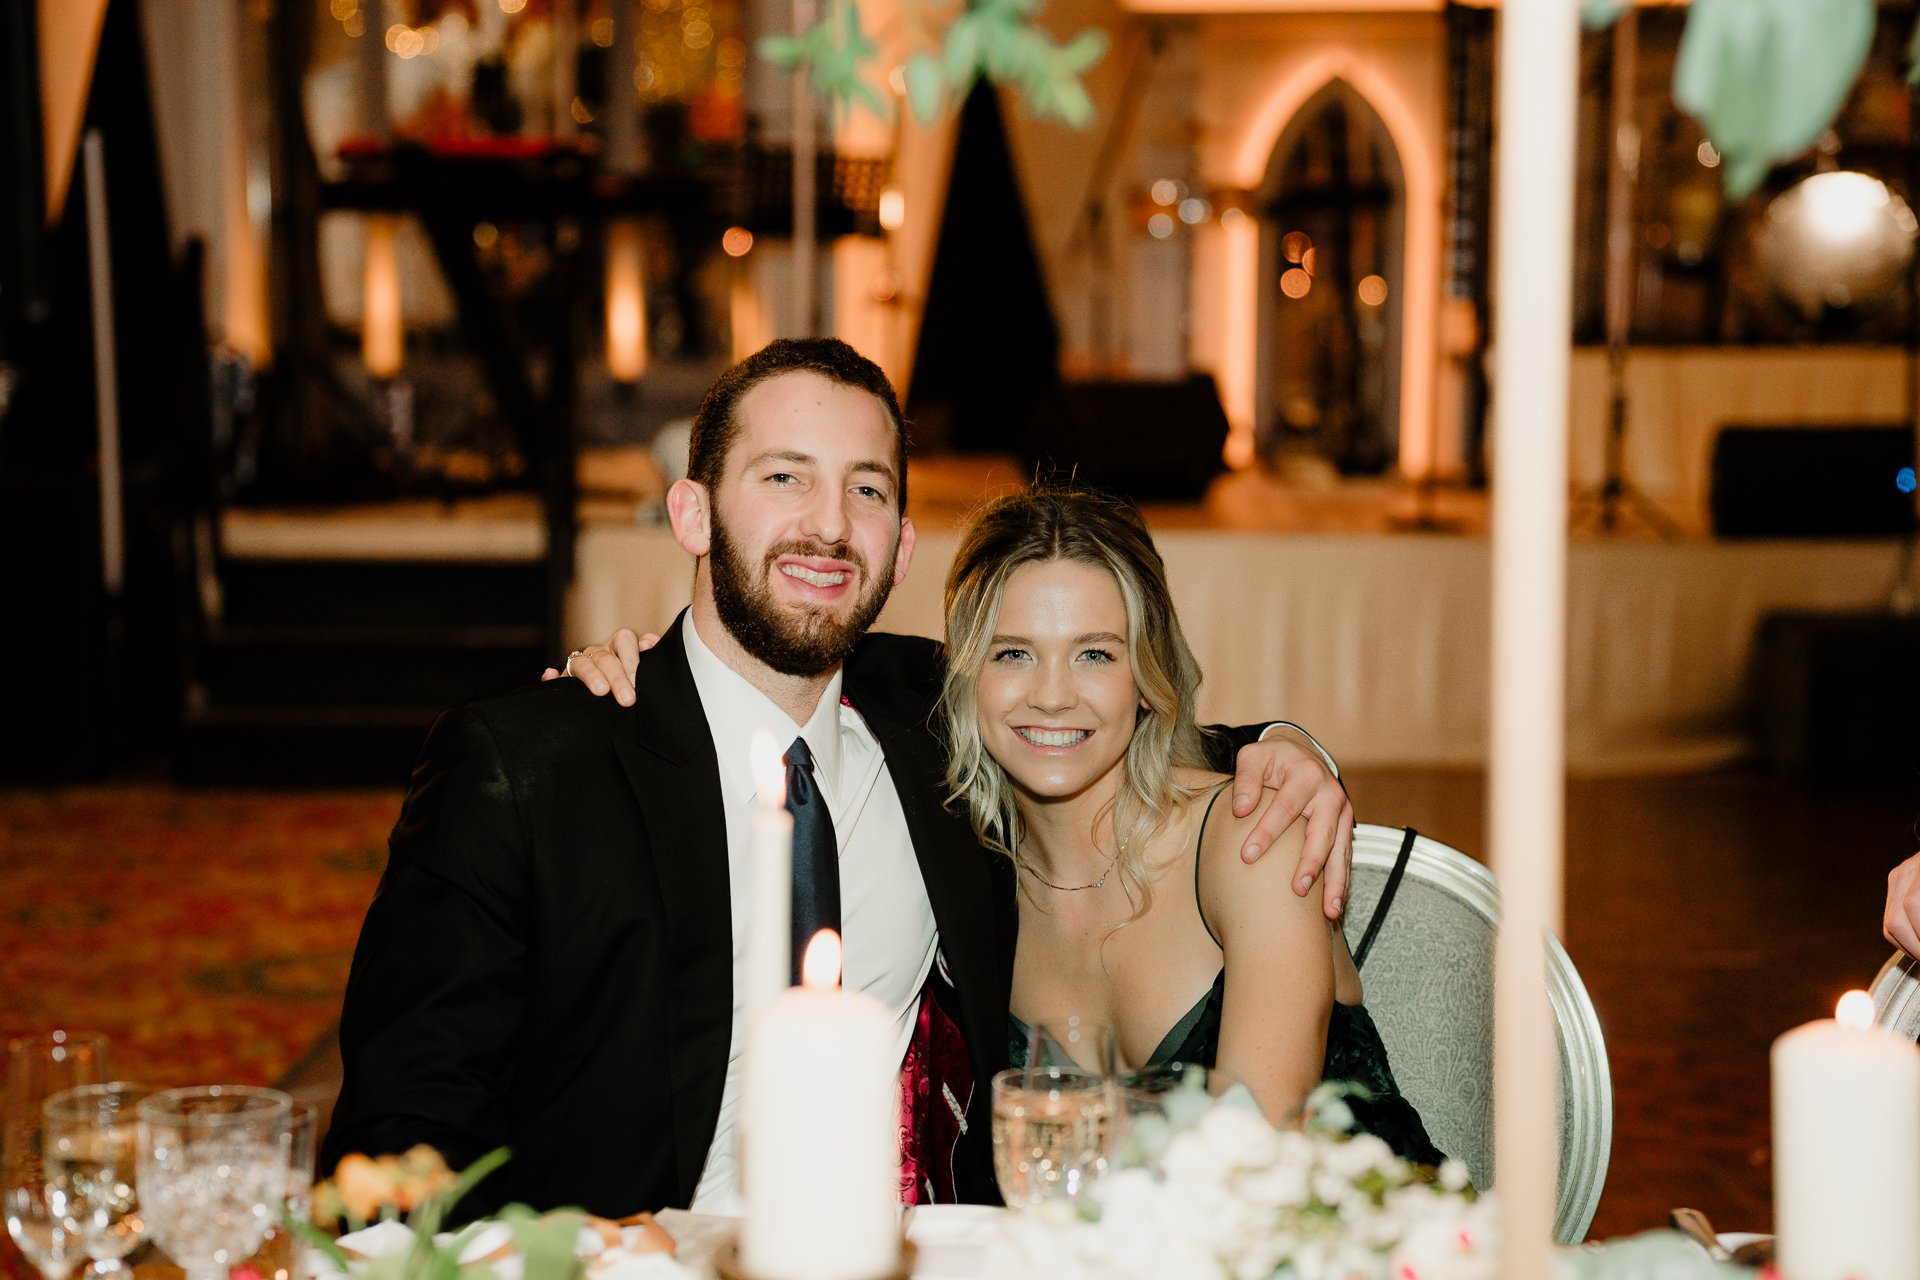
{"points": [[1039, 526]]}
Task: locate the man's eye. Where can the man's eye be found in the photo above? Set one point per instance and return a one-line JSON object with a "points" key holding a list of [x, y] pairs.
{"points": [[868, 491], [782, 477]]}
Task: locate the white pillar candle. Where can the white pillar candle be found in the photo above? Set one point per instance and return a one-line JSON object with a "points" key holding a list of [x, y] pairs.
{"points": [[1846, 1149], [1533, 263], [819, 1151], [769, 881]]}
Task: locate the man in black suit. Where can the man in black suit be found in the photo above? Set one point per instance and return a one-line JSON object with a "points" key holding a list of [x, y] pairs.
{"points": [[553, 959]]}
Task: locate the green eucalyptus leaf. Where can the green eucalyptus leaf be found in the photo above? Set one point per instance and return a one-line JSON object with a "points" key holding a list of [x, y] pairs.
{"points": [[926, 87], [1084, 50], [1765, 78], [1598, 15], [545, 1241], [784, 52]]}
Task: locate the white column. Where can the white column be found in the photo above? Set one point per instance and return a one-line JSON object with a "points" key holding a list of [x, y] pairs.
{"points": [[1532, 312]]}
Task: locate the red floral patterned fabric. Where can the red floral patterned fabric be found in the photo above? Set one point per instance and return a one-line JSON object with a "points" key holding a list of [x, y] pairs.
{"points": [[936, 1087]]}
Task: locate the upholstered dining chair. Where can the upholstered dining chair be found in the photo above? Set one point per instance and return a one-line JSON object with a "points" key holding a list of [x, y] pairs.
{"points": [[1428, 973], [1896, 996]]}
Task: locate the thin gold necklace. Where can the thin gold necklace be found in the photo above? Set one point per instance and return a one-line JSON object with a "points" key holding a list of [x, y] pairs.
{"points": [[1081, 888]]}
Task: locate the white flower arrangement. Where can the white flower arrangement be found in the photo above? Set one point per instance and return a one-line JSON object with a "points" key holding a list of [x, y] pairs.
{"points": [[1235, 1199]]}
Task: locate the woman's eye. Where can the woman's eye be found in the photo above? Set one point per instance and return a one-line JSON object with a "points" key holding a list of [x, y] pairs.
{"points": [[1009, 655], [1096, 655]]}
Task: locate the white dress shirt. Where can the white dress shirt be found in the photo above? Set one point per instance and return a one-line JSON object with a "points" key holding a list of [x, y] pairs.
{"points": [[886, 920]]}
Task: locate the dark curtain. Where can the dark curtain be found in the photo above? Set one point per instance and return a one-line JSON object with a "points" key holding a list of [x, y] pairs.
{"points": [[988, 346], [90, 682]]}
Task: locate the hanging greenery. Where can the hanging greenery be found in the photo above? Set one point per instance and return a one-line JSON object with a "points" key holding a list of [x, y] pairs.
{"points": [[1765, 78], [992, 38]]}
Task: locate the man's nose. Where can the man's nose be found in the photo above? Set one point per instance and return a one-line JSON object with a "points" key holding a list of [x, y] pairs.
{"points": [[825, 518]]}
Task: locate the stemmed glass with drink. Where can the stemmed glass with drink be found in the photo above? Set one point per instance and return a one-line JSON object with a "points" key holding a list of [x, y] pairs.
{"points": [[89, 1145], [212, 1172], [39, 1202], [1056, 1120]]}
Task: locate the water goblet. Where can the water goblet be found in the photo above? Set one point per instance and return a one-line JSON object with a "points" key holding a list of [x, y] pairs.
{"points": [[1048, 1132], [89, 1149], [212, 1173], [36, 1205]]}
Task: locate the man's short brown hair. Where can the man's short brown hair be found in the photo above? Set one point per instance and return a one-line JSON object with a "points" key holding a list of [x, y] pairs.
{"points": [[718, 422]]}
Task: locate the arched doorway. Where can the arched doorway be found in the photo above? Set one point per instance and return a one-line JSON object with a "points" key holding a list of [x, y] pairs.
{"points": [[1332, 284]]}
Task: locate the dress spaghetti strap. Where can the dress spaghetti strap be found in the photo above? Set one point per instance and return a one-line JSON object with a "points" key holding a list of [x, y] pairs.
{"points": [[1198, 842]]}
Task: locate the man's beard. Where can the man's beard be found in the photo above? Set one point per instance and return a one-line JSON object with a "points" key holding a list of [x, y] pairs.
{"points": [[808, 643]]}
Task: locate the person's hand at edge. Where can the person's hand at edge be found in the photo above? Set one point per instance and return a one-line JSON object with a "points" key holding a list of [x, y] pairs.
{"points": [[1902, 923], [1301, 786], [607, 668]]}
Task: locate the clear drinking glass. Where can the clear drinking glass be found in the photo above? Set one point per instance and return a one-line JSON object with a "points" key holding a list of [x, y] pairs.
{"points": [[212, 1173], [37, 1206], [89, 1145], [1049, 1132], [1160, 1101]]}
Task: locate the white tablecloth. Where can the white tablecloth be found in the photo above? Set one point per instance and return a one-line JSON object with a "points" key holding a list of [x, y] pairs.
{"points": [[1379, 644]]}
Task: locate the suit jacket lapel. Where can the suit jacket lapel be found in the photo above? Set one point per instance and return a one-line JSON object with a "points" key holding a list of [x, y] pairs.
{"points": [[669, 759]]}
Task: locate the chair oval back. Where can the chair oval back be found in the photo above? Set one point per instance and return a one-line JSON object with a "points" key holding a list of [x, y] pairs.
{"points": [[1896, 995], [1429, 987]]}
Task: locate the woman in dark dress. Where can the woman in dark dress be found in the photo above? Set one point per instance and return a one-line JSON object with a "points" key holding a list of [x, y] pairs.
{"points": [[1070, 712]]}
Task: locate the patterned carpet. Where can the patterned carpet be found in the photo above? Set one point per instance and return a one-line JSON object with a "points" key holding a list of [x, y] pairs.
{"points": [[208, 934]]}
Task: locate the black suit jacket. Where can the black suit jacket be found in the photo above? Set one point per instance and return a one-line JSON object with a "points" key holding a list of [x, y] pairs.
{"points": [[548, 962]]}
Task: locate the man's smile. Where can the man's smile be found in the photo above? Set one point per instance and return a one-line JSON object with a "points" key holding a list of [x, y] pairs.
{"points": [[816, 577]]}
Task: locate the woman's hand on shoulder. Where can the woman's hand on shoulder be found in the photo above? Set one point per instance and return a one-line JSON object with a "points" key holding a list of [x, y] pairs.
{"points": [[607, 668]]}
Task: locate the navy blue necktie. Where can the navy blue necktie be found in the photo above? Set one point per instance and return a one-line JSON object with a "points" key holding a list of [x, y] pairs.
{"points": [[816, 856]]}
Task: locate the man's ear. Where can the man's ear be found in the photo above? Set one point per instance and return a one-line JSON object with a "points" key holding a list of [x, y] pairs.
{"points": [[903, 555], [689, 509]]}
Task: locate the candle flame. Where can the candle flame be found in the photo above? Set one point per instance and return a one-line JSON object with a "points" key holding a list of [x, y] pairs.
{"points": [[769, 770], [1855, 1010], [821, 969]]}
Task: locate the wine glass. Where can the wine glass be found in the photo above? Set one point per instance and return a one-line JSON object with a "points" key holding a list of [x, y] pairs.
{"points": [[212, 1172], [1055, 1120], [37, 1205], [89, 1149]]}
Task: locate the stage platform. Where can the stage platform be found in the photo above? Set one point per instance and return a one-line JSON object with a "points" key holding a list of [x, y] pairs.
{"points": [[1325, 603]]}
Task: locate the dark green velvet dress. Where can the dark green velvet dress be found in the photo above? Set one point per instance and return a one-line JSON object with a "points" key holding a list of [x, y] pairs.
{"points": [[1355, 1054]]}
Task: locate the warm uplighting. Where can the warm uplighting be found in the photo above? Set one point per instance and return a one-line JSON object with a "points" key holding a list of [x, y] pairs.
{"points": [[626, 309], [737, 241], [1165, 191], [1372, 290], [1295, 283], [1842, 205], [1854, 1010], [893, 208], [380, 335], [821, 969], [769, 771], [1160, 226]]}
